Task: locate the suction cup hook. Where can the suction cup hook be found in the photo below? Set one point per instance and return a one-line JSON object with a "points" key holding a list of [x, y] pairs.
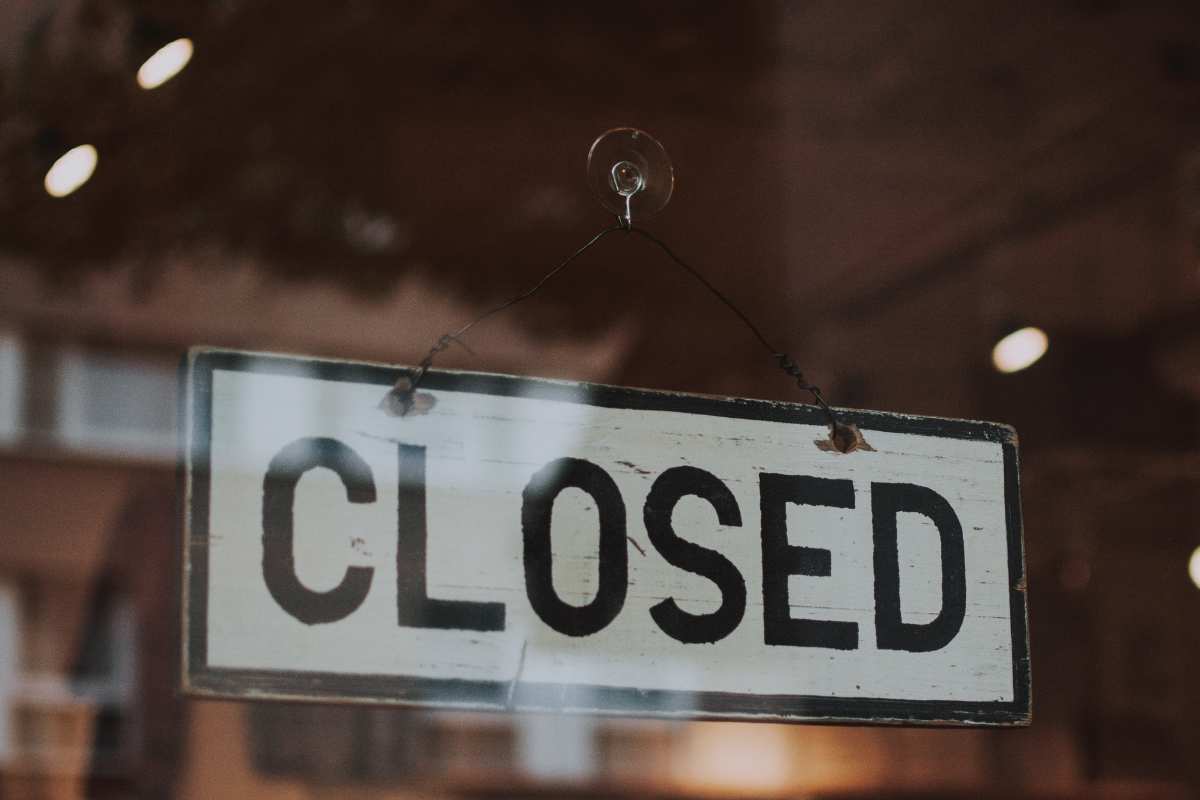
{"points": [[630, 173]]}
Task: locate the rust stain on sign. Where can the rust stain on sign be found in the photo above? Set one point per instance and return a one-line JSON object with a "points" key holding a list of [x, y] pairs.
{"points": [[845, 438]]}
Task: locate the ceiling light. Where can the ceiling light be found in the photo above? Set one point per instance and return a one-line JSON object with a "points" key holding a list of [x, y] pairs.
{"points": [[1019, 349], [167, 62], [71, 170], [1194, 567]]}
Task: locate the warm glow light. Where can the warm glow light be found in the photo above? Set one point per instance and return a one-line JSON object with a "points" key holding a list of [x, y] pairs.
{"points": [[1194, 567], [737, 759], [71, 170], [1019, 349], [165, 64]]}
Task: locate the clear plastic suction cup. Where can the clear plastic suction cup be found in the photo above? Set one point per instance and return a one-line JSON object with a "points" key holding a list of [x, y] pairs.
{"points": [[630, 173]]}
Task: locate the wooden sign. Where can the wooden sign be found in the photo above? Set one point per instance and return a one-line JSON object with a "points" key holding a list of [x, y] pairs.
{"points": [[530, 544]]}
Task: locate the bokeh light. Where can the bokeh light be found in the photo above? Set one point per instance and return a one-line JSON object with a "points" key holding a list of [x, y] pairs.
{"points": [[165, 64], [72, 170], [1020, 349]]}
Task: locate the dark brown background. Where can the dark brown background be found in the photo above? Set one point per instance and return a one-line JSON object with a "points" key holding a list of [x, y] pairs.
{"points": [[883, 185]]}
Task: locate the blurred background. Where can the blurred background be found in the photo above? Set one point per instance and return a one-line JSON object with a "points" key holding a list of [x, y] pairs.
{"points": [[889, 188]]}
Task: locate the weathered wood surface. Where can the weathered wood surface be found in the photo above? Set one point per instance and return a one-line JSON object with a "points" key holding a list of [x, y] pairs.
{"points": [[303, 582]]}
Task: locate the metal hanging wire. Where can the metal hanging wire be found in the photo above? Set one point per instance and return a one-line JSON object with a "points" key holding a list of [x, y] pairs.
{"points": [[843, 437], [627, 169]]}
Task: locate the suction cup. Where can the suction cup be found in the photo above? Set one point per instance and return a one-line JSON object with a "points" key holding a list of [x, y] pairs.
{"points": [[630, 173]]}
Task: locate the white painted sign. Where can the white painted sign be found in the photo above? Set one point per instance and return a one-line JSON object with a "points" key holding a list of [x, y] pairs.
{"points": [[530, 544]]}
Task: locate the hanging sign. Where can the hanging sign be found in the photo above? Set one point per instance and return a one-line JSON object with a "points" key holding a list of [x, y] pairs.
{"points": [[538, 545]]}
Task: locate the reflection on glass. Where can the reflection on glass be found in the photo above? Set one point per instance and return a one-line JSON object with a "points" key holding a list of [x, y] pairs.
{"points": [[12, 386], [116, 404], [9, 657]]}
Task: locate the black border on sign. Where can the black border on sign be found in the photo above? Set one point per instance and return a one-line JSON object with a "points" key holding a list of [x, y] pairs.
{"points": [[199, 679]]}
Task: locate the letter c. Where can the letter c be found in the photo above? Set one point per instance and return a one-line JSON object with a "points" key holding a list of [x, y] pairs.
{"points": [[279, 561]]}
